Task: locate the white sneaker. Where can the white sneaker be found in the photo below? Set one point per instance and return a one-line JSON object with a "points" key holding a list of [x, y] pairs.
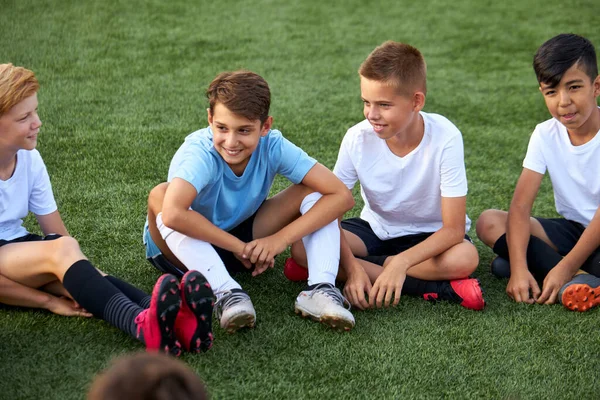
{"points": [[235, 310], [325, 304]]}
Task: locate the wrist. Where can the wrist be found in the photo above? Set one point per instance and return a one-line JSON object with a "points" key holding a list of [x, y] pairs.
{"points": [[398, 263]]}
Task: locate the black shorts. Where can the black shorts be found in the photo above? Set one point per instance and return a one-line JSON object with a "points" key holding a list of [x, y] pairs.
{"points": [[378, 249], [562, 232], [31, 237], [243, 232]]}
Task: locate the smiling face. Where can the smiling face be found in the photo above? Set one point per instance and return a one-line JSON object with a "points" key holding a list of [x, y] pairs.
{"points": [[20, 125], [235, 137], [573, 101], [390, 113]]}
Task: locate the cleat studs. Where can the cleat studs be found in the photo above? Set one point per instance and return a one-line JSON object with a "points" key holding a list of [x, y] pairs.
{"points": [[207, 285], [163, 297], [173, 291], [203, 317], [196, 288], [189, 288]]}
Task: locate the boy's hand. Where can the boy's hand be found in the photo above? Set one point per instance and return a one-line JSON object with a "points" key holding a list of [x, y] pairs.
{"points": [[357, 284], [389, 282], [556, 279], [261, 252], [519, 286], [66, 307]]}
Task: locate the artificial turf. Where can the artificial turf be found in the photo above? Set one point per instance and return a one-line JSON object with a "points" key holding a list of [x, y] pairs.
{"points": [[122, 84]]}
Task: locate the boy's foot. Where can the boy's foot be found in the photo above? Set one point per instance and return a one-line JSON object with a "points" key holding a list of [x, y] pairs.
{"points": [[235, 310], [500, 268], [293, 271], [466, 292], [325, 303], [581, 293], [193, 326], [156, 324]]}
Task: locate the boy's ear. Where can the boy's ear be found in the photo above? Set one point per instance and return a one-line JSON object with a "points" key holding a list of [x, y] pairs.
{"points": [[418, 101], [266, 127], [596, 85], [210, 117]]}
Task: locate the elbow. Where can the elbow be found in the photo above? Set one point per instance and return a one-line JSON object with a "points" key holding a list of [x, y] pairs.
{"points": [[171, 218], [348, 200]]}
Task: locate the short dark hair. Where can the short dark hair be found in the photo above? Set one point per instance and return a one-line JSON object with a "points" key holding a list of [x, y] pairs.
{"points": [[560, 53], [243, 93], [400, 65]]}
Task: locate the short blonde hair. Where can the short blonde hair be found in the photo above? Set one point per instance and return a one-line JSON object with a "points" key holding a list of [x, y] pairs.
{"points": [[16, 84], [399, 65]]}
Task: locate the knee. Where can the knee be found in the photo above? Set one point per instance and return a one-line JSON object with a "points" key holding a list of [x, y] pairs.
{"points": [[156, 197], [490, 225], [463, 263], [298, 253], [66, 251]]}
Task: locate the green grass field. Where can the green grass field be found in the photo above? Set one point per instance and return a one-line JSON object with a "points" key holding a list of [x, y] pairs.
{"points": [[122, 84]]}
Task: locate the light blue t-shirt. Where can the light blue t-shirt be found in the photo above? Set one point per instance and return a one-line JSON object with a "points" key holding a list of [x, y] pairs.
{"points": [[224, 198]]}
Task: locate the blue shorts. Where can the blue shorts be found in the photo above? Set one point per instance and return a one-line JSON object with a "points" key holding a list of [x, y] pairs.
{"points": [[243, 232], [31, 237], [378, 249]]}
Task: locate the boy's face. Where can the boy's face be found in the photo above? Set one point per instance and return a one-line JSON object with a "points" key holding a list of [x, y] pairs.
{"points": [[235, 137], [389, 112], [573, 100], [19, 126]]}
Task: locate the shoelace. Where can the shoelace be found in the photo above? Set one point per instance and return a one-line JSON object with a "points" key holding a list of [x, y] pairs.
{"points": [[227, 299], [331, 292], [139, 320]]}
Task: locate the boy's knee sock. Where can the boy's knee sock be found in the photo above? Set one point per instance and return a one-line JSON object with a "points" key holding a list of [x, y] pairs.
{"points": [[419, 287], [592, 264], [541, 258], [100, 297], [136, 295], [322, 247], [199, 256]]}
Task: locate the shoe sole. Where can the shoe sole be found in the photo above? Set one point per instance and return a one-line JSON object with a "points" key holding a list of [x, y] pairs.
{"points": [[330, 321], [198, 298], [580, 297], [167, 302], [240, 321]]}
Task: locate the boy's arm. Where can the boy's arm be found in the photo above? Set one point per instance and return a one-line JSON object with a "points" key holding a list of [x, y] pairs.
{"points": [[177, 215], [452, 233], [357, 280], [568, 266], [518, 230], [15, 294], [52, 223], [335, 201]]}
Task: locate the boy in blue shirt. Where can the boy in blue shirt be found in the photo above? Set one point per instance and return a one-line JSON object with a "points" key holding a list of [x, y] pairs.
{"points": [[214, 216], [556, 251]]}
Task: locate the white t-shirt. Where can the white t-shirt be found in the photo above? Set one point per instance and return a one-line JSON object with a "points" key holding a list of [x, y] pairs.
{"points": [[403, 195], [574, 170], [27, 190]]}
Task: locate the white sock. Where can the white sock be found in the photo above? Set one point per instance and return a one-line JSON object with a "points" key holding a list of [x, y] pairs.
{"points": [[322, 247], [198, 255]]}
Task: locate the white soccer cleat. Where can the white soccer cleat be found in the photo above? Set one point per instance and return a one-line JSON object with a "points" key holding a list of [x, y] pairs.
{"points": [[235, 310], [325, 303]]}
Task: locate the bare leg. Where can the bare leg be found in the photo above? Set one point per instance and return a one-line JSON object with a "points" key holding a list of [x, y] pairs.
{"points": [[35, 264], [491, 224]]}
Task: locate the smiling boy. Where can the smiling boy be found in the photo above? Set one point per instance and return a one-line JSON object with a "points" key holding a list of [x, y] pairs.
{"points": [[555, 250], [214, 216], [411, 234]]}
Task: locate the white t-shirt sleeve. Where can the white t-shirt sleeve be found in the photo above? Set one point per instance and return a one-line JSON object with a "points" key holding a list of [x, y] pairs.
{"points": [[534, 159], [453, 182], [344, 169], [41, 200]]}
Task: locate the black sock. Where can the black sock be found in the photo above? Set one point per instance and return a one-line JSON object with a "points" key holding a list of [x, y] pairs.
{"points": [[541, 258], [419, 287], [100, 297], [136, 295]]}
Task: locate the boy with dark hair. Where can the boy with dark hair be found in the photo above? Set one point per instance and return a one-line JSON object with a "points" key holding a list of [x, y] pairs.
{"points": [[411, 234], [556, 250], [214, 217]]}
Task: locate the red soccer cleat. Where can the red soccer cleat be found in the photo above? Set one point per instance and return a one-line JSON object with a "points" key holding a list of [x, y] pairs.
{"points": [[294, 272]]}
